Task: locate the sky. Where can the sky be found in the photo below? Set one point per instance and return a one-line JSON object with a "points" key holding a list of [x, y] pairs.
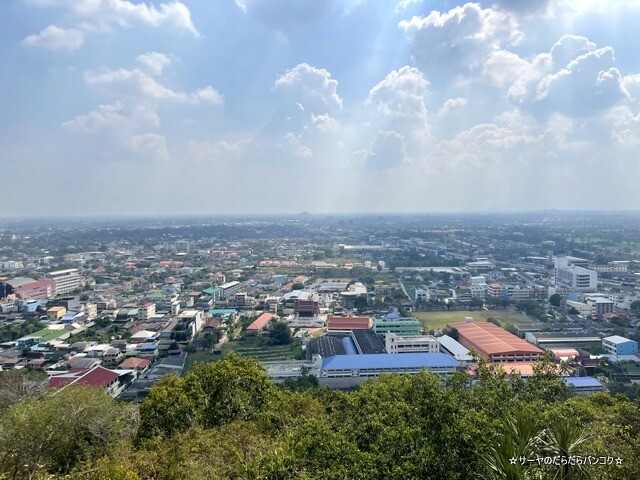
{"points": [[112, 107]]}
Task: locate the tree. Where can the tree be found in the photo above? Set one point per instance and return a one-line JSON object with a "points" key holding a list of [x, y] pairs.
{"points": [[297, 286], [16, 385], [57, 432], [280, 334], [555, 299]]}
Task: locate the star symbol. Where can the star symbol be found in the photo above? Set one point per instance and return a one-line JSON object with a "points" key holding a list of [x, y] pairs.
{"points": [[618, 461], [513, 460]]}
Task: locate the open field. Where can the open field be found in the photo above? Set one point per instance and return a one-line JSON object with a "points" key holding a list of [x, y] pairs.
{"points": [[439, 320], [247, 348]]}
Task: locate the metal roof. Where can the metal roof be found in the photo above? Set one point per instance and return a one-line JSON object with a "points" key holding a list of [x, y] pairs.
{"points": [[388, 360], [583, 382], [617, 339]]}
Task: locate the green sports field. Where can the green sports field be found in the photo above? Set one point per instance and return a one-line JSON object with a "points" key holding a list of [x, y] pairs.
{"points": [[439, 320]]}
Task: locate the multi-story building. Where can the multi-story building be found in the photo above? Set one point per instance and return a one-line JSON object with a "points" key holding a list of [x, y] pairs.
{"points": [[414, 344], [66, 280], [393, 323], [229, 289], [147, 311], [462, 294], [306, 304], [578, 279], [600, 304], [617, 345], [612, 267]]}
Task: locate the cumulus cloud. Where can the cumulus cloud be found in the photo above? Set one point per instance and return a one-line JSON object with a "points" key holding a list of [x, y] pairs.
{"points": [[124, 13], [461, 40], [56, 38], [154, 61], [588, 84], [137, 83], [452, 105], [325, 123], [150, 144], [402, 95], [526, 7], [310, 87]]}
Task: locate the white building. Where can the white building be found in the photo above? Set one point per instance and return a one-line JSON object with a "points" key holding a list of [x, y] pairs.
{"points": [[578, 279], [414, 344], [66, 280], [612, 267]]}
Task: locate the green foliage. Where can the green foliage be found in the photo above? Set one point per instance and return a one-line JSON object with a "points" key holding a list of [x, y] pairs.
{"points": [[280, 334], [227, 420], [59, 431], [555, 299], [16, 330]]}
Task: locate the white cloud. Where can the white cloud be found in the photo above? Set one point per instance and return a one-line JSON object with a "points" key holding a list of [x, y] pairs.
{"points": [[124, 12], [154, 61], [452, 104], [589, 83], [403, 5], [325, 123], [568, 48], [137, 83], [56, 38], [402, 94], [461, 40], [503, 68], [311, 87], [524, 7]]}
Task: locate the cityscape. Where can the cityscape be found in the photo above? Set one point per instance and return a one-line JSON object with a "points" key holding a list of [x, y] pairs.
{"points": [[319, 240]]}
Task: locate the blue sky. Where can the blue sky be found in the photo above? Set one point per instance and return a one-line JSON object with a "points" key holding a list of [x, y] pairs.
{"points": [[259, 106]]}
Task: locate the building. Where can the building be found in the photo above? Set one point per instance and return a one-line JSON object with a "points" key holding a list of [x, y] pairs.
{"points": [[600, 304], [480, 265], [462, 294], [421, 295], [146, 311], [494, 343], [28, 289], [561, 339], [417, 344], [355, 369], [261, 322], [66, 280], [453, 348], [228, 290], [617, 345], [99, 377], [183, 246], [612, 267], [56, 313], [347, 324], [584, 385], [393, 323], [306, 304]]}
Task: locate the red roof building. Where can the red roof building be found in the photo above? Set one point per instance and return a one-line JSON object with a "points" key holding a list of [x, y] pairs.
{"points": [[261, 322], [98, 377], [495, 343], [134, 363], [348, 324]]}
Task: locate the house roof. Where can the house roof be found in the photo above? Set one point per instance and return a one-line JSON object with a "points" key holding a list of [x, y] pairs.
{"points": [[92, 377], [261, 321], [135, 363]]}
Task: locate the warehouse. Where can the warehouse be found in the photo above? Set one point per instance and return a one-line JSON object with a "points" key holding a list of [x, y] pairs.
{"points": [[494, 342]]}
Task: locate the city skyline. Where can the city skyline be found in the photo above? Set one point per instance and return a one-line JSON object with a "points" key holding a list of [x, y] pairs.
{"points": [[115, 107]]}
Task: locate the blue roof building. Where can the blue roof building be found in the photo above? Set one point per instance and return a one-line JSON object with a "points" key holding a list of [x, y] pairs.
{"points": [[373, 365]]}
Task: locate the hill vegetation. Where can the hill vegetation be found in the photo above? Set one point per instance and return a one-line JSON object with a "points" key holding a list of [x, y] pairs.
{"points": [[228, 420]]}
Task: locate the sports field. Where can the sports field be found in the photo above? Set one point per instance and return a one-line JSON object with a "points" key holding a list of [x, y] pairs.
{"points": [[439, 320]]}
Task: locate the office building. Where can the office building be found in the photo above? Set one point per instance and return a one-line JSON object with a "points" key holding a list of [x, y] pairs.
{"points": [[66, 280]]}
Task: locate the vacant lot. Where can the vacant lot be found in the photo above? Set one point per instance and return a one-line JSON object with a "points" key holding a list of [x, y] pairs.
{"points": [[439, 320]]}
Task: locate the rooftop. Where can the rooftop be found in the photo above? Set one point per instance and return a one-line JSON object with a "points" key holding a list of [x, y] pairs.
{"points": [[489, 339], [389, 361]]}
